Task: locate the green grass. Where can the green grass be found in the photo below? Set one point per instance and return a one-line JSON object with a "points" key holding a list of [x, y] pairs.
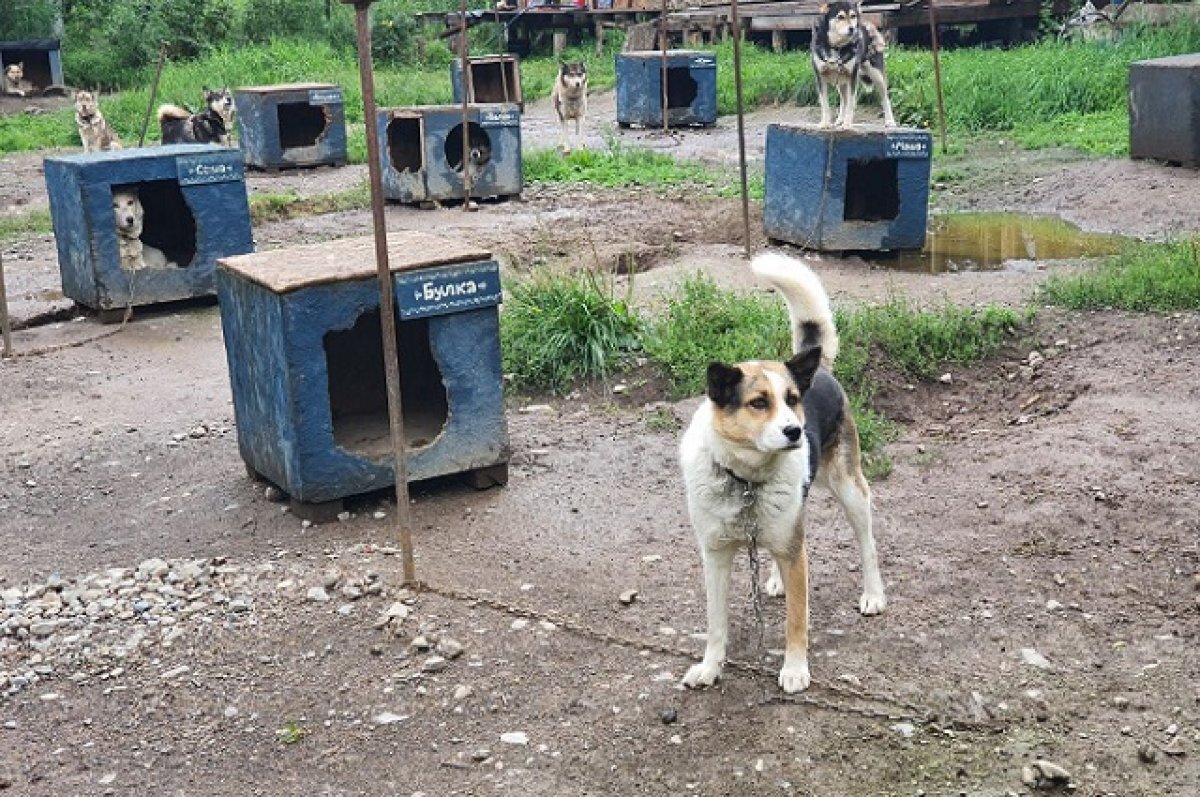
{"points": [[620, 167], [36, 222], [279, 207], [558, 329], [1144, 277]]}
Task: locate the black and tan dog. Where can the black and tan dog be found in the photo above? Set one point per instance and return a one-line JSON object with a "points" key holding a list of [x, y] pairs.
{"points": [[848, 51], [765, 433], [210, 126], [569, 97]]}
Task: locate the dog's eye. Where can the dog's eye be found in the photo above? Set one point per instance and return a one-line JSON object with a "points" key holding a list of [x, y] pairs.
{"points": [[792, 399], [759, 403]]}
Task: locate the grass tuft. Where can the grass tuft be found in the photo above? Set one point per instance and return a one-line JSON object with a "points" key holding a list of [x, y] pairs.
{"points": [[280, 207], [35, 222], [1143, 277], [558, 329]]}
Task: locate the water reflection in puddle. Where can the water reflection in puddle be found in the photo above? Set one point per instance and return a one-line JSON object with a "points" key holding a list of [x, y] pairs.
{"points": [[993, 241]]}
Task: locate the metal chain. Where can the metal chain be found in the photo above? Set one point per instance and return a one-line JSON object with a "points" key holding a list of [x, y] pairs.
{"points": [[869, 705]]}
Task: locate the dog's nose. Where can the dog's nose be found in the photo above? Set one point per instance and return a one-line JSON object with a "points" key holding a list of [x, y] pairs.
{"points": [[793, 432]]}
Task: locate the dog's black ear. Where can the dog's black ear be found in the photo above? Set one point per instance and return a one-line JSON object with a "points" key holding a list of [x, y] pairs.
{"points": [[722, 383], [804, 365]]}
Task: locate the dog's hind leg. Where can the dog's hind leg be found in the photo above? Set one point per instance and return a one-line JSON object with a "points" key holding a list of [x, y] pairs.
{"points": [[843, 474], [794, 675], [718, 565], [879, 83]]}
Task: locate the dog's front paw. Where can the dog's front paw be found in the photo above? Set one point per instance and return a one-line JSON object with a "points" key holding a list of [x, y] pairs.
{"points": [[794, 677], [703, 674], [872, 603], [775, 586]]}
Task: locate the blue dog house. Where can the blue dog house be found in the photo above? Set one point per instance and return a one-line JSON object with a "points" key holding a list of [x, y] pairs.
{"points": [[289, 125], [1164, 109], [493, 78], [691, 88], [302, 333], [195, 210], [423, 152], [861, 189], [40, 59]]}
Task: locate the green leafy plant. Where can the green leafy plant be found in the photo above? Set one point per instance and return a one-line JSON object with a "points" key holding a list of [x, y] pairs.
{"points": [[1143, 277]]}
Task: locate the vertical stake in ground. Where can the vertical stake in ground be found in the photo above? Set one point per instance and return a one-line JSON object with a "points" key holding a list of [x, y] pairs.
{"points": [[162, 58], [464, 47], [662, 41], [937, 73], [5, 326], [736, 24], [387, 304]]}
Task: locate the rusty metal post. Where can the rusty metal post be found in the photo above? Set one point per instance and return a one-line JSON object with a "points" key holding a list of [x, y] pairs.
{"points": [[937, 73], [162, 58], [5, 325], [662, 41], [387, 304], [464, 47], [736, 24]]}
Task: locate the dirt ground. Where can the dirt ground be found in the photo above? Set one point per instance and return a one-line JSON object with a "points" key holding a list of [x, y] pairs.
{"points": [[166, 628]]}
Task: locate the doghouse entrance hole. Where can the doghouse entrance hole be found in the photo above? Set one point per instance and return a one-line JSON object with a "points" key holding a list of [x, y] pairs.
{"points": [[358, 388], [300, 124], [167, 222], [404, 144], [872, 190], [34, 63], [494, 81], [481, 146], [681, 87]]}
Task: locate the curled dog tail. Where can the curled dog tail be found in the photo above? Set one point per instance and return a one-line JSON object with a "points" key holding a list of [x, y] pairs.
{"points": [[168, 111], [808, 304]]}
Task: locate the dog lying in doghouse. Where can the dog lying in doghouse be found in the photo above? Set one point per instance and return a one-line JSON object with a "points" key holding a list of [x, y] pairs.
{"points": [[14, 80], [129, 217]]}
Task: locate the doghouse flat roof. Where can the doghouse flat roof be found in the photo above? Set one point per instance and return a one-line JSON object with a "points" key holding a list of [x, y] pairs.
{"points": [[285, 87], [347, 259]]}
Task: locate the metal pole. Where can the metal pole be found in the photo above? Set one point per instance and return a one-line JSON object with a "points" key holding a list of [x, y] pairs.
{"points": [[662, 40], [387, 304], [937, 73], [5, 326], [162, 57], [741, 120], [463, 49]]}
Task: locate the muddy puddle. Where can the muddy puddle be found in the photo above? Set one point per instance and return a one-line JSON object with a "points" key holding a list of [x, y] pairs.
{"points": [[994, 241]]}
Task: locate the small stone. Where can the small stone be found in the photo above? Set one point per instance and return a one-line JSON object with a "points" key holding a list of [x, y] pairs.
{"points": [[1034, 659], [388, 718], [628, 596], [1042, 774], [434, 664], [462, 692], [669, 715], [274, 494], [397, 611], [946, 378], [519, 625], [230, 712], [1053, 605], [1147, 754], [905, 729], [421, 643], [514, 737], [175, 672], [318, 595], [449, 648], [343, 516]]}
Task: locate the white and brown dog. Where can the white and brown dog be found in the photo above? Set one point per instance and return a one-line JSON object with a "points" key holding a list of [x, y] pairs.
{"points": [[570, 99], [14, 80], [848, 52], [94, 130], [765, 433], [129, 217]]}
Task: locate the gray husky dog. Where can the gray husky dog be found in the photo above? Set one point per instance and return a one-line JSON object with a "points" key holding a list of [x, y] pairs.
{"points": [[570, 98]]}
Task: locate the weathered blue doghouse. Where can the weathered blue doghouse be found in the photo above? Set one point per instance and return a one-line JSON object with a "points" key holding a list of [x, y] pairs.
{"points": [[1164, 109], [302, 333], [40, 59], [422, 152], [492, 79], [691, 88], [194, 200], [831, 189], [291, 125]]}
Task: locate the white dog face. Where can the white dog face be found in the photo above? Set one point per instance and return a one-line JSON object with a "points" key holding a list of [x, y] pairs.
{"points": [[127, 212], [573, 75], [85, 104], [14, 74]]}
